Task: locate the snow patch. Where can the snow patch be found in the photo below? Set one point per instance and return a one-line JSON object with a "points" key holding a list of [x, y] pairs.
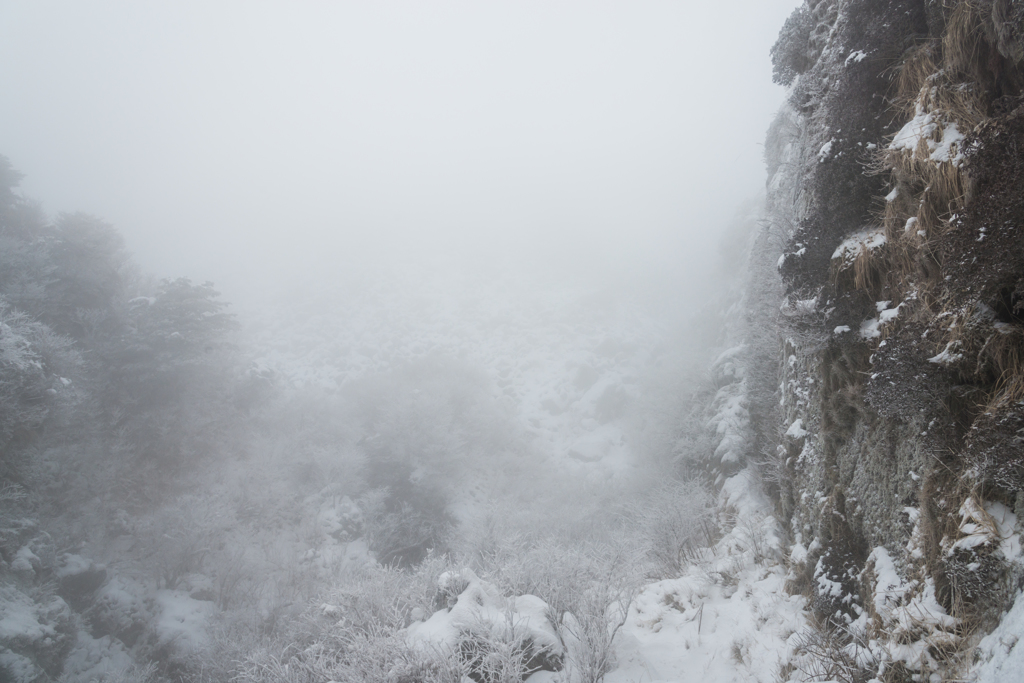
{"points": [[1000, 654], [991, 523], [796, 430], [182, 622], [943, 141], [826, 151], [856, 56], [948, 355], [859, 242], [872, 327]]}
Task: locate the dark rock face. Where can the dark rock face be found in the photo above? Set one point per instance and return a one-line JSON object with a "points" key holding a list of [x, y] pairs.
{"points": [[78, 579], [843, 100], [904, 273]]}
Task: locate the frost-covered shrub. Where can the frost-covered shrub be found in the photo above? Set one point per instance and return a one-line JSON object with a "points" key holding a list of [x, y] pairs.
{"points": [[362, 658], [383, 598], [828, 651], [181, 538], [587, 586], [35, 370], [589, 628], [675, 522], [498, 639], [403, 532], [789, 54]]}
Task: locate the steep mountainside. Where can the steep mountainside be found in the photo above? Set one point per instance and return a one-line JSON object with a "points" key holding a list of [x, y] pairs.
{"points": [[895, 183]]}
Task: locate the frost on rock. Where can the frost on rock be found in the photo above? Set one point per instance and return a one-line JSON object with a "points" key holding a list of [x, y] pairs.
{"points": [[796, 308], [79, 578]]}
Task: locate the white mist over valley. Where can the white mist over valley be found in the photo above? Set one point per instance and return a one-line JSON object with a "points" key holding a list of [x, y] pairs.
{"points": [[452, 342]]}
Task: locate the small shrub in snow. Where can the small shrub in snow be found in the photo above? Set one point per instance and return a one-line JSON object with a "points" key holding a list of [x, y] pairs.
{"points": [[675, 522], [363, 658], [497, 660], [383, 598], [828, 651], [403, 532], [498, 639], [590, 627]]}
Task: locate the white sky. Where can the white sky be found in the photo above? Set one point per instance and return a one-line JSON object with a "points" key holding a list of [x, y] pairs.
{"points": [[250, 142]]}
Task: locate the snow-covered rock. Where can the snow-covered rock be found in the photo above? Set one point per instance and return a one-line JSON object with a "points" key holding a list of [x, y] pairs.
{"points": [[478, 616], [36, 633], [181, 626]]}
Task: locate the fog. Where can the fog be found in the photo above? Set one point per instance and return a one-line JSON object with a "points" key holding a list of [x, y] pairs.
{"points": [[478, 265], [260, 143]]}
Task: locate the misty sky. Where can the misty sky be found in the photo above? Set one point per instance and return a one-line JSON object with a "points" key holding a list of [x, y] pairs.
{"points": [[247, 142]]}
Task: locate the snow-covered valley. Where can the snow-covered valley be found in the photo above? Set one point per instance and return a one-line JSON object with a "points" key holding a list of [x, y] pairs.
{"points": [[503, 379]]}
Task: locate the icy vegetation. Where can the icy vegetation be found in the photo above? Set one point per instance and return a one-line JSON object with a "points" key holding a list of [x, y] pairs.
{"points": [[414, 475], [803, 464]]}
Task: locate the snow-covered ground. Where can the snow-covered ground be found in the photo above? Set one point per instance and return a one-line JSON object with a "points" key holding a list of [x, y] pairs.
{"points": [[727, 618], [578, 365]]}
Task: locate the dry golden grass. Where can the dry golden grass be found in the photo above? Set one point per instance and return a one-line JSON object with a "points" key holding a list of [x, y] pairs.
{"points": [[868, 270], [946, 79], [993, 354], [1005, 351], [962, 41]]}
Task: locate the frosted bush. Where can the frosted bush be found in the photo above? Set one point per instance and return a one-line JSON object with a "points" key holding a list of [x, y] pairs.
{"points": [[675, 522]]}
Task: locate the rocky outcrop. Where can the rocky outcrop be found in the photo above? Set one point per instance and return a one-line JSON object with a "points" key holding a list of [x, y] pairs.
{"points": [[895, 175]]}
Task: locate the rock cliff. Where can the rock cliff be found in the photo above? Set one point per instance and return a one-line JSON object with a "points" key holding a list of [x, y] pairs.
{"points": [[893, 430]]}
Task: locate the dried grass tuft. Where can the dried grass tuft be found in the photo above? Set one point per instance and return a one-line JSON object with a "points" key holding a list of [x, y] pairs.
{"points": [[947, 79]]}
